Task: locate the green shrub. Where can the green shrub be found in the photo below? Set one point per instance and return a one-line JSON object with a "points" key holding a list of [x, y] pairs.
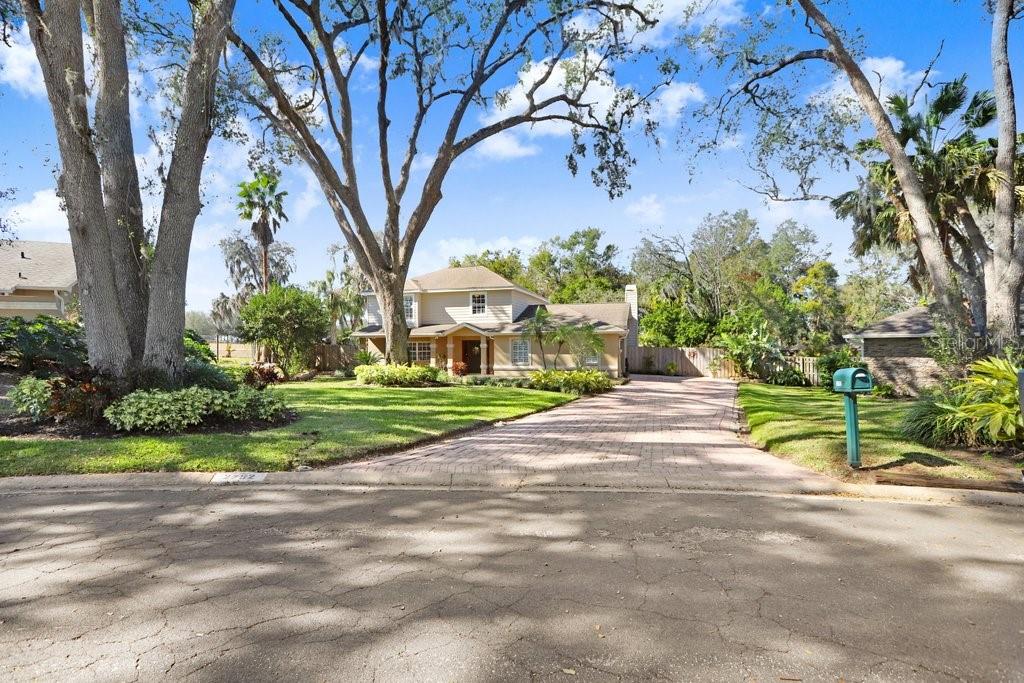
{"points": [[155, 410], [289, 322], [392, 375], [200, 373], [367, 357], [259, 375], [577, 382], [991, 406], [785, 375], [198, 348], [511, 381], [671, 368], [932, 420], [32, 396], [883, 390], [840, 357], [41, 343]]}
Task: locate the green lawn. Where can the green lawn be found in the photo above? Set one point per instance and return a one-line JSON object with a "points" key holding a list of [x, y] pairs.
{"points": [[338, 419], [807, 427]]}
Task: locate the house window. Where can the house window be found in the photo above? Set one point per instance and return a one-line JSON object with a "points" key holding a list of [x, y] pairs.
{"points": [[478, 303], [520, 352], [408, 307], [419, 351], [591, 360]]}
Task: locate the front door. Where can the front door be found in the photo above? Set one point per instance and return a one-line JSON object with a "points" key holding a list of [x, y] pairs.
{"points": [[471, 355]]}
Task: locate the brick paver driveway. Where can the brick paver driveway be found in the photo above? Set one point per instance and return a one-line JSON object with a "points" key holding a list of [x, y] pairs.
{"points": [[654, 431]]}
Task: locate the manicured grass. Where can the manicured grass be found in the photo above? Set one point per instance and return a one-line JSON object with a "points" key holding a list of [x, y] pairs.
{"points": [[338, 419], [807, 427]]}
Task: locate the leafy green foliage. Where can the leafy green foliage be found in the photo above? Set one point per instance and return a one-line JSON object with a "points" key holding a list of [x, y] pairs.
{"points": [[991, 406], [174, 411], [391, 375], [201, 374], [44, 343], [289, 322], [508, 264], [259, 375], [576, 382], [757, 354], [31, 396], [577, 269], [198, 348], [667, 323], [932, 420], [839, 357], [367, 357]]}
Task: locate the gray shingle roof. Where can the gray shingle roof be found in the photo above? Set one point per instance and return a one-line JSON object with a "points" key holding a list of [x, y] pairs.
{"points": [[913, 322], [468, 277], [608, 318], [46, 265]]}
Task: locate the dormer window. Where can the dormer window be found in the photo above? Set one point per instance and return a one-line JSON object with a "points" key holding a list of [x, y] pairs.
{"points": [[408, 309], [478, 304]]}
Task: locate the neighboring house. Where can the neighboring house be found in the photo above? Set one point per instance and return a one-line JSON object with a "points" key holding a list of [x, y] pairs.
{"points": [[895, 350], [36, 278], [475, 316]]}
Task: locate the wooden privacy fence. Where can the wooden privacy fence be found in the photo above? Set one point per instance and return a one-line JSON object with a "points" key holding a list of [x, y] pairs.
{"points": [[702, 361], [334, 356]]}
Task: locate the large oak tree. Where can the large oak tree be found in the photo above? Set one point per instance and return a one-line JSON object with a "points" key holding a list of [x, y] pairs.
{"points": [[447, 78], [132, 292]]}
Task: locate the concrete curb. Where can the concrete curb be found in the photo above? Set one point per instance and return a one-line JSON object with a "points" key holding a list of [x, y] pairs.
{"points": [[498, 481]]}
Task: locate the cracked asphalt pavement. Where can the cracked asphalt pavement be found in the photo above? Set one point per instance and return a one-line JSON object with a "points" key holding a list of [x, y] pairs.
{"points": [[262, 583]]}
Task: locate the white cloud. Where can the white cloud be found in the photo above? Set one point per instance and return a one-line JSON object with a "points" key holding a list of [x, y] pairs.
{"points": [[888, 76], [19, 68], [675, 14], [40, 218], [674, 98], [505, 145], [422, 162], [648, 209], [311, 197]]}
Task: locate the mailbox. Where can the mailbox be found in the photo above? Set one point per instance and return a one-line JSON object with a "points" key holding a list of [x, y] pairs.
{"points": [[849, 382], [852, 381]]}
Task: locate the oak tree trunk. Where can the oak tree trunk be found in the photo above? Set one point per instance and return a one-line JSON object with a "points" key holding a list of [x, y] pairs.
{"points": [[391, 297], [56, 35], [165, 351]]}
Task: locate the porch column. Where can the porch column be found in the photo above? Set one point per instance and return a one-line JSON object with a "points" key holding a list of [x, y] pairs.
{"points": [[433, 353], [483, 356], [451, 354]]}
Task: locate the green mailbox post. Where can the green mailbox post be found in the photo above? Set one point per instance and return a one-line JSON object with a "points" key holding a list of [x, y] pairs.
{"points": [[849, 382]]}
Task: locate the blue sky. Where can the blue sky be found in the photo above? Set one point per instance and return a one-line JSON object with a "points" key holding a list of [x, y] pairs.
{"points": [[517, 192]]}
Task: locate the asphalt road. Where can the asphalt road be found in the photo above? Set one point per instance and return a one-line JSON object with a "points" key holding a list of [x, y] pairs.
{"points": [[262, 584]]}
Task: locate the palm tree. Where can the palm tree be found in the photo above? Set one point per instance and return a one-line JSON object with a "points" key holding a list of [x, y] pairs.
{"points": [[538, 328], [263, 204], [560, 336], [956, 164]]}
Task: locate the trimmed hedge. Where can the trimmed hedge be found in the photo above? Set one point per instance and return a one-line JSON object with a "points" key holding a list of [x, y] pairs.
{"points": [[174, 411], [392, 375], [576, 382]]}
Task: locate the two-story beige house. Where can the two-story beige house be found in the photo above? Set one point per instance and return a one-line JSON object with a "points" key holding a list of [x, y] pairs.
{"points": [[476, 316], [36, 278]]}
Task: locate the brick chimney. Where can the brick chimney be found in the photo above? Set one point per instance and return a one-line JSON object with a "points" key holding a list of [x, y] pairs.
{"points": [[634, 315]]}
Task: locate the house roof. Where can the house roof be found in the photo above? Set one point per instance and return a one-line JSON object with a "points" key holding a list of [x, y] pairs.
{"points": [[612, 317], [913, 322], [467, 277], [36, 265]]}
